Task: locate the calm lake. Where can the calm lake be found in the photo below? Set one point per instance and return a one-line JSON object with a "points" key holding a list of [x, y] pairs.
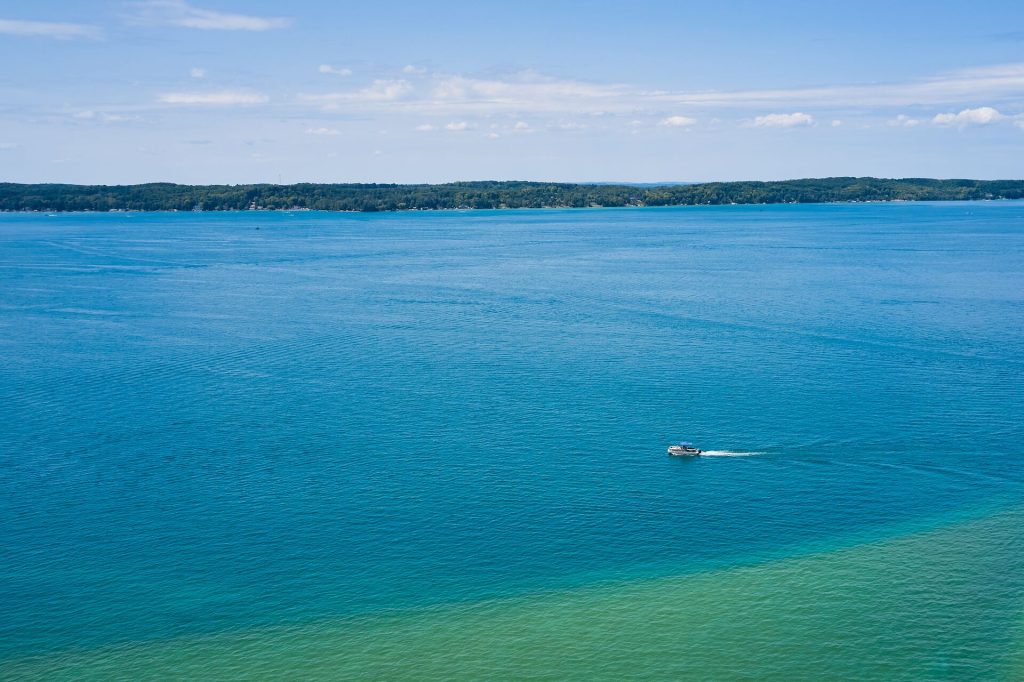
{"points": [[432, 445]]}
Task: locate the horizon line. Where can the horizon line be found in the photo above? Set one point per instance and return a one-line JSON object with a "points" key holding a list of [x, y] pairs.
{"points": [[590, 183]]}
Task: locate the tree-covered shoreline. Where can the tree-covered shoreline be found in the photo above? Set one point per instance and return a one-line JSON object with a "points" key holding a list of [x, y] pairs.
{"points": [[488, 195]]}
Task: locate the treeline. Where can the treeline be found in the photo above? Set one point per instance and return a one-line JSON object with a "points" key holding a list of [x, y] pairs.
{"points": [[380, 197]]}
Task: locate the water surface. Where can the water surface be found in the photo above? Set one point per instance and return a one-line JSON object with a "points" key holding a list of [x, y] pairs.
{"points": [[218, 428]]}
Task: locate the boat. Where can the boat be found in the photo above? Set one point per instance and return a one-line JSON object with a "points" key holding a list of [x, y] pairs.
{"points": [[684, 450]]}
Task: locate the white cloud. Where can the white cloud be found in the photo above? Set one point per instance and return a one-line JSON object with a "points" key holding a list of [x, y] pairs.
{"points": [[7, 146], [412, 69], [47, 29], [457, 126], [182, 14], [529, 94], [526, 92], [219, 98], [797, 118], [322, 131], [521, 125], [678, 121], [336, 70], [425, 127], [384, 90], [967, 117], [493, 136], [903, 121], [103, 116], [533, 95], [836, 123], [197, 72], [456, 96], [379, 92], [990, 82]]}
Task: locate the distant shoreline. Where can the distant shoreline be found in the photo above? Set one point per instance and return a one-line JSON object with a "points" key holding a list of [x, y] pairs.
{"points": [[488, 195], [505, 208]]}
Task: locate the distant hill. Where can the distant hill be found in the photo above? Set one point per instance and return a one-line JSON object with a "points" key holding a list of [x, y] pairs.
{"points": [[485, 195]]}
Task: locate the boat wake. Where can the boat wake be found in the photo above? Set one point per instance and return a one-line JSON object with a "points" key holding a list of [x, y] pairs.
{"points": [[728, 453]]}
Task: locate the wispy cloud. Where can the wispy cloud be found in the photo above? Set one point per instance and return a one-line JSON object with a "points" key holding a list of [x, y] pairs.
{"points": [[197, 72], [529, 93], [425, 127], [336, 70], [47, 29], [414, 70], [497, 103], [678, 121], [903, 121], [462, 96], [797, 118], [991, 82], [969, 117], [218, 98], [378, 92], [322, 131], [182, 14], [103, 116], [525, 92]]}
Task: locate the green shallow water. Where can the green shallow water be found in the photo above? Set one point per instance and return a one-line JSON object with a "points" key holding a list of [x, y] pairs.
{"points": [[939, 604]]}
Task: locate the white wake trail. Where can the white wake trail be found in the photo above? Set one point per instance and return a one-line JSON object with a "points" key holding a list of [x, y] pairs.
{"points": [[728, 453]]}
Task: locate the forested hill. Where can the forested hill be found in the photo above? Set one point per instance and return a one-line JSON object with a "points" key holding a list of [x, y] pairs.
{"points": [[376, 197]]}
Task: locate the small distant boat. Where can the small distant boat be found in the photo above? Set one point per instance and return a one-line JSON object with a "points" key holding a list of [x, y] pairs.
{"points": [[683, 450]]}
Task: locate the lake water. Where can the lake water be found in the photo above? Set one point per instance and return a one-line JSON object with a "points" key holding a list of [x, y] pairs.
{"points": [[432, 445]]}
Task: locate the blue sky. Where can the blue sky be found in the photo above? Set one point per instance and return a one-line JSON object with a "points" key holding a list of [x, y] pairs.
{"points": [[224, 91]]}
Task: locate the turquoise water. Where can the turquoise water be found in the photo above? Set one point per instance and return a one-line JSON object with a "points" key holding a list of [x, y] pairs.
{"points": [[218, 428]]}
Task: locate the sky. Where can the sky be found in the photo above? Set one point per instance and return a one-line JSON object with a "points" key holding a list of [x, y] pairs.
{"points": [[232, 91]]}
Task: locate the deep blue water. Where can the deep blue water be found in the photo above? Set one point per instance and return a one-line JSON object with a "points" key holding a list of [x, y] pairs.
{"points": [[208, 426]]}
